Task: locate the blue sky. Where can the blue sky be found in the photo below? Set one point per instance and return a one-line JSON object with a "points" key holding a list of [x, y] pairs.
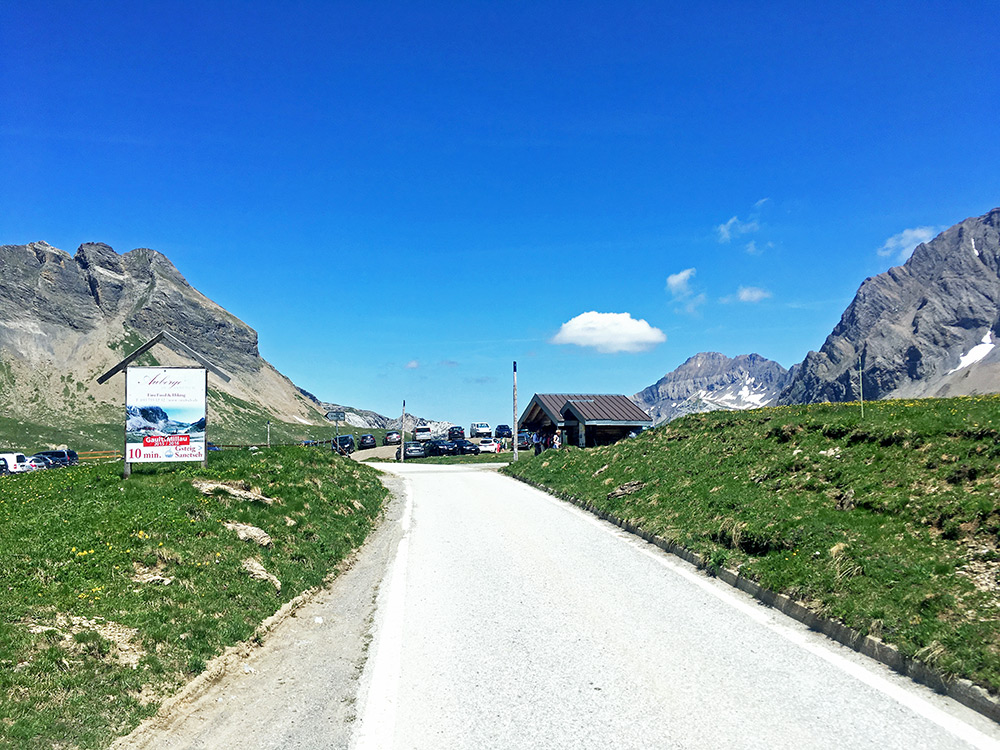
{"points": [[403, 198]]}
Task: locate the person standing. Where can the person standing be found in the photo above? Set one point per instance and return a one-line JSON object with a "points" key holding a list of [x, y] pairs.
{"points": [[537, 442]]}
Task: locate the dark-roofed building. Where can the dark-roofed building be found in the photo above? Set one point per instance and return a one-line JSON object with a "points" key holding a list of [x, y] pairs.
{"points": [[584, 419]]}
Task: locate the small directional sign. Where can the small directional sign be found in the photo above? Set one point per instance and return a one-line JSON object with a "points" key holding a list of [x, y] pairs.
{"points": [[336, 416]]}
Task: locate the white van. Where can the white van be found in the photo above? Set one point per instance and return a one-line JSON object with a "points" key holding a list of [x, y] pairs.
{"points": [[480, 429], [16, 462], [422, 433]]}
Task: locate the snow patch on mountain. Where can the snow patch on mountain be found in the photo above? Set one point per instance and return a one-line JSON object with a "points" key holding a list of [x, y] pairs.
{"points": [[711, 382], [976, 353]]}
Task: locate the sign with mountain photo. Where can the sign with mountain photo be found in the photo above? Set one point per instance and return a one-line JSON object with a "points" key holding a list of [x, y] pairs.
{"points": [[165, 410]]}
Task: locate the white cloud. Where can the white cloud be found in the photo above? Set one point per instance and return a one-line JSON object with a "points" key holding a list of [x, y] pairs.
{"points": [[609, 333], [734, 227], [412, 364], [752, 294], [678, 284], [902, 245], [749, 294]]}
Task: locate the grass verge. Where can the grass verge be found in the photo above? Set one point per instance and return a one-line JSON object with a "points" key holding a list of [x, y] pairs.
{"points": [[92, 635], [889, 525]]}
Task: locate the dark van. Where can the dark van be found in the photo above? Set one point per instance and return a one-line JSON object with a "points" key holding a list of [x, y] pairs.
{"points": [[61, 458]]}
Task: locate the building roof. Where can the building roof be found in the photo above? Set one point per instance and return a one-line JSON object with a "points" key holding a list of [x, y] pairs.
{"points": [[607, 408], [584, 407]]}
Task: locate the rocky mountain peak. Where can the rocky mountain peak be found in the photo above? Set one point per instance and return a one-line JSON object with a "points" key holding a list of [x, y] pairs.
{"points": [[711, 381], [925, 328], [63, 316], [97, 255]]}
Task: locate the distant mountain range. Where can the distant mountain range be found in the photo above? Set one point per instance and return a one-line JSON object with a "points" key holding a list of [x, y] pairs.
{"points": [[372, 420], [928, 328], [711, 381], [64, 320]]}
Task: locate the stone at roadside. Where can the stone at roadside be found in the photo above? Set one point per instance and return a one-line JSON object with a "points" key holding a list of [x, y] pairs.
{"points": [[259, 573], [248, 533]]}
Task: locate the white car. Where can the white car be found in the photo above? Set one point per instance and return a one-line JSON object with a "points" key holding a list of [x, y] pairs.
{"points": [[489, 445], [16, 462]]}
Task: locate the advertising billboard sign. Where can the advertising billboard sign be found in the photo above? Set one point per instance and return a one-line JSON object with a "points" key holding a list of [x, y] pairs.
{"points": [[165, 410]]}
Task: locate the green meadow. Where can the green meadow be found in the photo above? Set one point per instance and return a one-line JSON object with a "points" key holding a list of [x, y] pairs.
{"points": [[115, 592], [887, 523]]}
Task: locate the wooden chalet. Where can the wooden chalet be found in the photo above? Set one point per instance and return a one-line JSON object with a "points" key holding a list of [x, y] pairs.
{"points": [[583, 419]]}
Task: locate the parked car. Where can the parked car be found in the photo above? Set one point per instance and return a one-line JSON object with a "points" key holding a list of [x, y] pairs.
{"points": [[63, 458], [37, 462], [345, 444], [441, 447], [3, 467], [503, 431], [16, 462], [420, 434], [480, 429], [466, 447], [489, 445], [413, 450], [456, 433], [524, 441], [392, 437], [367, 441]]}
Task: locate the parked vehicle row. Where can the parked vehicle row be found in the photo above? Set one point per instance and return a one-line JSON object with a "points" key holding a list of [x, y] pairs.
{"points": [[15, 462]]}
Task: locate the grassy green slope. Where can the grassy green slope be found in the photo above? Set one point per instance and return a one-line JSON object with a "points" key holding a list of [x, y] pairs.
{"points": [[888, 524], [72, 542]]}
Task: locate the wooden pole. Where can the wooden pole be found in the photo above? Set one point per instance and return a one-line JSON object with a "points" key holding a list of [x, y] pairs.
{"points": [[861, 387], [402, 434], [515, 410]]}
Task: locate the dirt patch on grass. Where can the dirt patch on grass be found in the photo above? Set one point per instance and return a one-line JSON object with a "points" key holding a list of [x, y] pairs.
{"points": [[124, 641]]}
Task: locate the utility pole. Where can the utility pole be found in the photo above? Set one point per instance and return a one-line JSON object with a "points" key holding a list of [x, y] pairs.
{"points": [[269, 433], [861, 387], [515, 410], [402, 434]]}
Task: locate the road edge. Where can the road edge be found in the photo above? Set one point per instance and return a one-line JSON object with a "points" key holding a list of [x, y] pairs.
{"points": [[171, 710], [966, 692]]}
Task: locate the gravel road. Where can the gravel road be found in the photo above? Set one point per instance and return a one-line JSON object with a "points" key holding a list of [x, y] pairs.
{"points": [[507, 619]]}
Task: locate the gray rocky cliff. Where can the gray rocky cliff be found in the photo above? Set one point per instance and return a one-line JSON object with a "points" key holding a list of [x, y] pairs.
{"points": [[921, 329], [68, 318]]}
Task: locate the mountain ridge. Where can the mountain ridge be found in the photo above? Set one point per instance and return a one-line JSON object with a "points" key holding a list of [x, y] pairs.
{"points": [[914, 327], [711, 381], [65, 319]]}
